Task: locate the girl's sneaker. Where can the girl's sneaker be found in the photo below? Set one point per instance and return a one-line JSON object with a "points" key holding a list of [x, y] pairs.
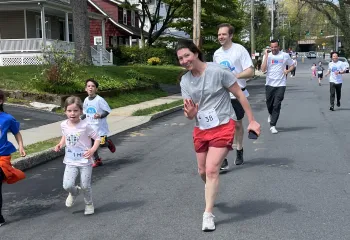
{"points": [[71, 199], [89, 209]]}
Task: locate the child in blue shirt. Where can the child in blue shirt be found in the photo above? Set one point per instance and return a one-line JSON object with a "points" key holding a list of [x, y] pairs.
{"points": [[8, 173]]}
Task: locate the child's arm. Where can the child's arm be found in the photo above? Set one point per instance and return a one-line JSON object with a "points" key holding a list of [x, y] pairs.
{"points": [[90, 152], [59, 146], [19, 140]]}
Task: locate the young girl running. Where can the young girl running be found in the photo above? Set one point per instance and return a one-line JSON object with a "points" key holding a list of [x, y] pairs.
{"points": [[320, 72], [313, 70], [77, 135], [8, 173]]}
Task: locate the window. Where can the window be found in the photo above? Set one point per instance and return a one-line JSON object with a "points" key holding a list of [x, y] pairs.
{"points": [[125, 16], [133, 18], [62, 30], [39, 31]]}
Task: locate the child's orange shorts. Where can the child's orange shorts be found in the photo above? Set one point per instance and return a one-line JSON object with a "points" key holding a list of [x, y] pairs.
{"points": [[219, 137]]}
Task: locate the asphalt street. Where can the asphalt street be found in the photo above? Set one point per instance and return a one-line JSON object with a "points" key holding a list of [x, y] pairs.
{"points": [[31, 117], [293, 185]]}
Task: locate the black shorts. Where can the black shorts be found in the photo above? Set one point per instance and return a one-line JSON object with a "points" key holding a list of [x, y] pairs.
{"points": [[320, 75], [238, 109]]}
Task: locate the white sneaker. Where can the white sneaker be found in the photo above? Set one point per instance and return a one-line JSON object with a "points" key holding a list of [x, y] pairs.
{"points": [[269, 118], [89, 209], [71, 199], [273, 130], [208, 222]]}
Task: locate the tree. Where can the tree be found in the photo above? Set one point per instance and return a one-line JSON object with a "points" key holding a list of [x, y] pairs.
{"points": [[81, 31], [337, 14], [213, 13], [154, 17]]}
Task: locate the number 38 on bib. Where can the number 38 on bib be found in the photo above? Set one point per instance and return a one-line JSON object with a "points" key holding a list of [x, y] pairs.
{"points": [[208, 119]]}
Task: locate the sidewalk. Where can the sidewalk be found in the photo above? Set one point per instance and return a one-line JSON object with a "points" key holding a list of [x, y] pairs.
{"points": [[119, 120]]}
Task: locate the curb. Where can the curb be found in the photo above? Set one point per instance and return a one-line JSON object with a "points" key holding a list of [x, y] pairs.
{"points": [[47, 155]]}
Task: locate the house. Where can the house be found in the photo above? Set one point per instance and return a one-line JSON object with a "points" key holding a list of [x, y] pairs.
{"points": [[29, 27], [122, 27]]}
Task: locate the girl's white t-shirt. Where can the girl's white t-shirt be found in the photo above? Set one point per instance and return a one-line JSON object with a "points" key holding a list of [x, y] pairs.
{"points": [[90, 108], [78, 141]]}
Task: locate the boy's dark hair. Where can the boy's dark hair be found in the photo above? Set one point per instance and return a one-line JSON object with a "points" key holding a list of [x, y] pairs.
{"points": [[231, 29], [275, 41], [2, 98], [93, 81]]}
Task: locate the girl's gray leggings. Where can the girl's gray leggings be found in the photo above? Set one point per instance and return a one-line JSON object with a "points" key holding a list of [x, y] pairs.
{"points": [[69, 177]]}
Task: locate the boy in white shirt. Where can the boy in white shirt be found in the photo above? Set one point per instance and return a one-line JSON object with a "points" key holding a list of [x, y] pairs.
{"points": [[96, 109]]}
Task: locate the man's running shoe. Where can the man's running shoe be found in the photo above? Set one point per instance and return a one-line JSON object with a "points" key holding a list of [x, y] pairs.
{"points": [[224, 166], [111, 146], [331, 108], [338, 104], [2, 220], [273, 130], [239, 159], [97, 162], [208, 222]]}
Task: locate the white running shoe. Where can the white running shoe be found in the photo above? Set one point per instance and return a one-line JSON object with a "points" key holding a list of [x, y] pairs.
{"points": [[208, 222], [269, 118], [89, 209], [273, 130], [71, 199]]}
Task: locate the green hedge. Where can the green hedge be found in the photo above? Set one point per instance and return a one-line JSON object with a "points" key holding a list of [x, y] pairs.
{"points": [[135, 55]]}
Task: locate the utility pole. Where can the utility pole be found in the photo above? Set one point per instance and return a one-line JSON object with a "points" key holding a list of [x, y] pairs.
{"points": [[197, 9], [252, 31], [272, 17], [337, 40]]}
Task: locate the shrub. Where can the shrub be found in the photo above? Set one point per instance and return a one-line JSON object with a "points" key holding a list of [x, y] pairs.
{"points": [[153, 61], [135, 55]]}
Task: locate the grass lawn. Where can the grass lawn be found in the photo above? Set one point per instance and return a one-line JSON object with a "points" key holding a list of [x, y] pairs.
{"points": [[18, 77], [152, 110], [37, 147]]}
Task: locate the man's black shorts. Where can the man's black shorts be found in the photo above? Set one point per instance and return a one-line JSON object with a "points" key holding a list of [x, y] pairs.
{"points": [[320, 75], [238, 109]]}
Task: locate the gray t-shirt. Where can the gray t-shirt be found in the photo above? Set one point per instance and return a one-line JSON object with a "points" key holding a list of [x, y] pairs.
{"points": [[210, 90]]}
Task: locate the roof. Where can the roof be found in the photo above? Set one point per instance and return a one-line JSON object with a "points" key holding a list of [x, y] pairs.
{"points": [[130, 29]]}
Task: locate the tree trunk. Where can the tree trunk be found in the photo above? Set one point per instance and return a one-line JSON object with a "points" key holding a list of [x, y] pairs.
{"points": [[81, 30]]}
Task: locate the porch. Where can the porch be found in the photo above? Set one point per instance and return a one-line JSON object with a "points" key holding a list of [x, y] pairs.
{"points": [[30, 28]]}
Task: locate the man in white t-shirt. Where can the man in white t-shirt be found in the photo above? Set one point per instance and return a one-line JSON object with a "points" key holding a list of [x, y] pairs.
{"points": [[275, 63], [237, 59], [335, 69]]}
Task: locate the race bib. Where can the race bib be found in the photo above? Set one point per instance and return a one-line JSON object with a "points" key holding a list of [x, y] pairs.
{"points": [[91, 119], [208, 119], [319, 72], [76, 154]]}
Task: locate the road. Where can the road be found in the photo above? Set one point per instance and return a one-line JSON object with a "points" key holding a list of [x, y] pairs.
{"points": [[31, 117], [293, 185]]}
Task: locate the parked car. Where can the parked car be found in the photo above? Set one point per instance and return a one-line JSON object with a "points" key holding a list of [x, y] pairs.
{"points": [[345, 61], [311, 54]]}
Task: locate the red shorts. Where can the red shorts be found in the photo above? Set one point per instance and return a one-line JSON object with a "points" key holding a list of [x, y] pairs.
{"points": [[219, 137]]}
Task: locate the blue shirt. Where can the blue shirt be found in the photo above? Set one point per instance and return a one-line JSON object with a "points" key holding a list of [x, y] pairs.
{"points": [[7, 123]]}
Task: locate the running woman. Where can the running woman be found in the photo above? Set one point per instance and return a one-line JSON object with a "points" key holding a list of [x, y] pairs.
{"points": [[205, 88], [237, 59], [335, 70], [320, 70], [8, 173], [76, 136], [313, 70], [96, 110]]}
